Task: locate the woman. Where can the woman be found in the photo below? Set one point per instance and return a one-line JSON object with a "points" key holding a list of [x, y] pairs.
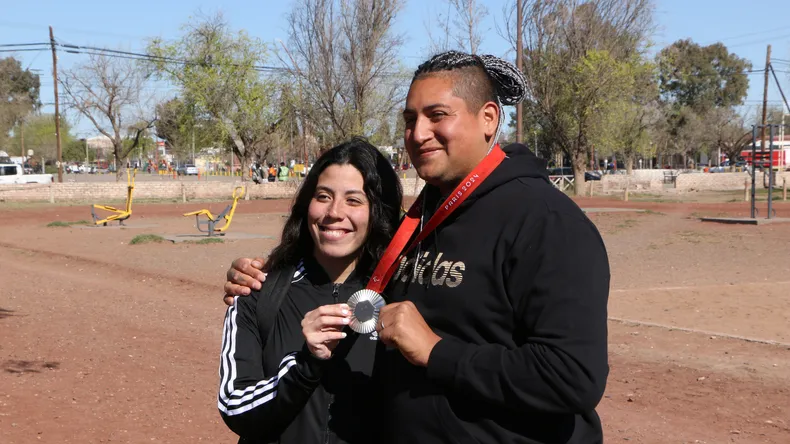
{"points": [[304, 380]]}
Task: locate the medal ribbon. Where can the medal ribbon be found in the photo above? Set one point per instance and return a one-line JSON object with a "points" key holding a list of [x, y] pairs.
{"points": [[389, 260]]}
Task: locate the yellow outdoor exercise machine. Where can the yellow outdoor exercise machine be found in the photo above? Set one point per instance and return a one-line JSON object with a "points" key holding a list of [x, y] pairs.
{"points": [[119, 214], [211, 221]]}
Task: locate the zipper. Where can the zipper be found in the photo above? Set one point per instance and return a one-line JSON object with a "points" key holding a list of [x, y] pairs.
{"points": [[335, 293]]}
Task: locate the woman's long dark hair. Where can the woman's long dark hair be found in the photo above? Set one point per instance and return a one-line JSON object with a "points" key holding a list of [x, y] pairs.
{"points": [[382, 188]]}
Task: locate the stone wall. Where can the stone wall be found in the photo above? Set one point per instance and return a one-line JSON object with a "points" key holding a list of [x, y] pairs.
{"points": [[106, 192], [685, 182]]}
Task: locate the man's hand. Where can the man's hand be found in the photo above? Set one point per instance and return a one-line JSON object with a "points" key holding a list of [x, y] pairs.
{"points": [[402, 326], [244, 275], [323, 329]]}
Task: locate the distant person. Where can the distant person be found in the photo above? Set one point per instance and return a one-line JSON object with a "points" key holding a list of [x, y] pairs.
{"points": [[272, 173], [283, 172]]}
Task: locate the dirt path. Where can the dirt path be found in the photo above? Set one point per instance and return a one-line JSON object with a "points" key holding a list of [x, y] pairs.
{"points": [[109, 342]]}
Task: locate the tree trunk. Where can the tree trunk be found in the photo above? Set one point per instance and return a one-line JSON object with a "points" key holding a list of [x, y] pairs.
{"points": [[245, 167], [579, 160], [121, 166], [629, 163]]}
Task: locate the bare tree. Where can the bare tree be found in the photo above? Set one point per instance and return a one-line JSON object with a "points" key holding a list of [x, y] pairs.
{"points": [[729, 132], [438, 31], [575, 55], [462, 23], [110, 92], [469, 16], [343, 56]]}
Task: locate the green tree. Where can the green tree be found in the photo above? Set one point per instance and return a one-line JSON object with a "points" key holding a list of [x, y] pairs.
{"points": [[702, 77], [39, 136], [623, 123], [19, 90], [74, 151], [576, 54], [223, 81], [173, 125], [181, 130]]}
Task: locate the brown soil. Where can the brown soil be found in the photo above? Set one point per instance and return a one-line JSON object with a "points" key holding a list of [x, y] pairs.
{"points": [[109, 342]]}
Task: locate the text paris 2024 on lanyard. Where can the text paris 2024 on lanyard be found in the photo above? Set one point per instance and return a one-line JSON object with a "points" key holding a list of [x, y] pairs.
{"points": [[366, 303]]}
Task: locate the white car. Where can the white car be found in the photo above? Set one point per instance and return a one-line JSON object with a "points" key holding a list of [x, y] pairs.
{"points": [[11, 173], [191, 170]]}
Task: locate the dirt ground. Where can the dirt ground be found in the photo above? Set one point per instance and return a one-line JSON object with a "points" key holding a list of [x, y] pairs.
{"points": [[103, 341]]}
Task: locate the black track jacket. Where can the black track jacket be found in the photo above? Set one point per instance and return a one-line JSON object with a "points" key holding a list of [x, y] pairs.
{"points": [[516, 283], [280, 392]]}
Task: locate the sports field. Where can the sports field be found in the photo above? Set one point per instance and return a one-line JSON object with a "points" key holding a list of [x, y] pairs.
{"points": [[108, 342]]}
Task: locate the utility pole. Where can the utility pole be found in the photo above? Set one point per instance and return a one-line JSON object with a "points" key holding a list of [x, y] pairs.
{"points": [[786, 107], [57, 106], [304, 127], [22, 138], [765, 99], [519, 66]]}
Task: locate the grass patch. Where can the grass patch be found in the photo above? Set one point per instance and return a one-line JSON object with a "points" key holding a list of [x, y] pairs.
{"points": [[657, 213], [654, 198], [701, 214], [208, 240], [146, 239], [693, 237], [628, 223], [60, 223]]}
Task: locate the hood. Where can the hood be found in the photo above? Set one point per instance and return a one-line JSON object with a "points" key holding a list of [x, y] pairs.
{"points": [[520, 162]]}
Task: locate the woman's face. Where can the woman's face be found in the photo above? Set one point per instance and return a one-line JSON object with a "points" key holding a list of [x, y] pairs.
{"points": [[339, 213]]}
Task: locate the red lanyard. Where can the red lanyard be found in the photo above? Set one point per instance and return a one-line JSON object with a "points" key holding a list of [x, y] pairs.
{"points": [[388, 263]]}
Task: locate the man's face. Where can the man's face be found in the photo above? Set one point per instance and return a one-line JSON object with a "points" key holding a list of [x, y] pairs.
{"points": [[445, 139]]}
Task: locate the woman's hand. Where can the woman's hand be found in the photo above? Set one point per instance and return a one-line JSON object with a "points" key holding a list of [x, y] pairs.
{"points": [[322, 328]]}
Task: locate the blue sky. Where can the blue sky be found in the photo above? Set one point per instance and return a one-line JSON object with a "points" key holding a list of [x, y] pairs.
{"points": [[745, 27]]}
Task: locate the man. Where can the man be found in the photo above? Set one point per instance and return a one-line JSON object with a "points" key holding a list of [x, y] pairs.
{"points": [[495, 327]]}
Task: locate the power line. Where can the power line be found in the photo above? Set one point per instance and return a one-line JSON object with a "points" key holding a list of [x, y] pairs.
{"points": [[764, 40], [93, 50], [23, 44], [765, 31], [778, 85], [24, 50]]}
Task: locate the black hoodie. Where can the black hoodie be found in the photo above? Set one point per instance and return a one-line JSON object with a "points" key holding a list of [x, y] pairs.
{"points": [[516, 283]]}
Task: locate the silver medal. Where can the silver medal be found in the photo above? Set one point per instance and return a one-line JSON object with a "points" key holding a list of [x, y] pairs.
{"points": [[365, 305]]}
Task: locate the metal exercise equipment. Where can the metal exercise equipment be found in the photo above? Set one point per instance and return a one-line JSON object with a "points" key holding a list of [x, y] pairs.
{"points": [[765, 157], [119, 214], [211, 222]]}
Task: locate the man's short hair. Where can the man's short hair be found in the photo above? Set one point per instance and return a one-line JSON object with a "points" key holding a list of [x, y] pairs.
{"points": [[470, 80]]}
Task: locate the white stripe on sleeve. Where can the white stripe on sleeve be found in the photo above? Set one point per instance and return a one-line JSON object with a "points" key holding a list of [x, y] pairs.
{"points": [[237, 401]]}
